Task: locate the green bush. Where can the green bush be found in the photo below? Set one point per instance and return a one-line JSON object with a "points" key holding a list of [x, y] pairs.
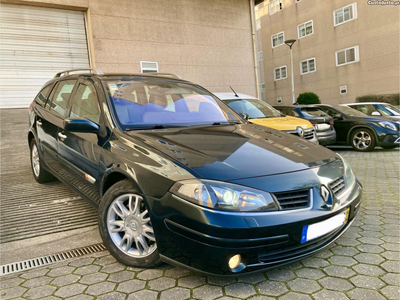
{"points": [[393, 99], [308, 98]]}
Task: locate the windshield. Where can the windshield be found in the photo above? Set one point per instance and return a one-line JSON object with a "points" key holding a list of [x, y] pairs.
{"points": [[313, 112], [388, 110], [157, 103], [256, 109], [349, 111]]}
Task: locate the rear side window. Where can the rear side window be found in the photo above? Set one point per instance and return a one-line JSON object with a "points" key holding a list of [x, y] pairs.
{"points": [[60, 95], [41, 98], [85, 104]]}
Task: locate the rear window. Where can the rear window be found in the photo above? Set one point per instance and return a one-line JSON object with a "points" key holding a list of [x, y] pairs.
{"points": [[313, 112]]}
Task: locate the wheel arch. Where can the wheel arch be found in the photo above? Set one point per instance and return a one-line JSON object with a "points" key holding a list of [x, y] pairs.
{"points": [[31, 136], [113, 177], [360, 127]]}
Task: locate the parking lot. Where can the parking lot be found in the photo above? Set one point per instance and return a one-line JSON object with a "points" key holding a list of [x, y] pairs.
{"points": [[363, 264]]}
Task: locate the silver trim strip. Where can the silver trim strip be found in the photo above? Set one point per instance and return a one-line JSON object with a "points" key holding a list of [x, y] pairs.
{"points": [[91, 70]]}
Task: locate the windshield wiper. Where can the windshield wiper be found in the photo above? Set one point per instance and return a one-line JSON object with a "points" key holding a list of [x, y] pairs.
{"points": [[225, 123]]}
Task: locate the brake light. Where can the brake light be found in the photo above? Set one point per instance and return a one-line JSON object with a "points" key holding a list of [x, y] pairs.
{"points": [[331, 122], [313, 124]]}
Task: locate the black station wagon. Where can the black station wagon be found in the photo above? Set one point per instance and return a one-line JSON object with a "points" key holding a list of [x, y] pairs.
{"points": [[177, 176]]}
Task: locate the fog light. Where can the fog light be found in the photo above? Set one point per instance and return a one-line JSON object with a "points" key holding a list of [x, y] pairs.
{"points": [[234, 262]]}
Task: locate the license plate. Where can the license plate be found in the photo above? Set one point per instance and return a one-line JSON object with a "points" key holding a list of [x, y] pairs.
{"points": [[322, 127], [316, 230]]}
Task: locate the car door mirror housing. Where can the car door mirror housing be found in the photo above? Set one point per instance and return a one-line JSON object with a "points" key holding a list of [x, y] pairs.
{"points": [[244, 115], [81, 125], [375, 113]]}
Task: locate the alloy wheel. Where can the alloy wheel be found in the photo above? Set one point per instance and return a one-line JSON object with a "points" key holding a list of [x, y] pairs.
{"points": [[35, 161], [362, 140], [129, 225]]}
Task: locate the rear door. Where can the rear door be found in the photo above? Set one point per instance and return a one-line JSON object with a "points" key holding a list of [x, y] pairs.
{"points": [[50, 121], [79, 151]]}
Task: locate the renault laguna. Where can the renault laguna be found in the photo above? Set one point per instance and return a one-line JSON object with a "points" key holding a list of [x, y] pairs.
{"points": [[178, 177]]}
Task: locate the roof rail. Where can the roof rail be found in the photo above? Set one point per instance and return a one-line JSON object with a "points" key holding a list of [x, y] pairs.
{"points": [[91, 70], [165, 74]]}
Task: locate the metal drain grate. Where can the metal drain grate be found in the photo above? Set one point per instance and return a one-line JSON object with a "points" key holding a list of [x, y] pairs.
{"points": [[49, 259]]}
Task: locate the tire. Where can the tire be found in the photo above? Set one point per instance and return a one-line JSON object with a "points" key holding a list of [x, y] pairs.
{"points": [[41, 175], [363, 140], [126, 228], [389, 147]]}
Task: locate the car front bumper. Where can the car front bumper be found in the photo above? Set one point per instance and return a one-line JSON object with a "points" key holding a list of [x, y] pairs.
{"points": [[204, 240]]}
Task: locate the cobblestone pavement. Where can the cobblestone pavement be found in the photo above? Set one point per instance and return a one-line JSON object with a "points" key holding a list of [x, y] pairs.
{"points": [[362, 264]]}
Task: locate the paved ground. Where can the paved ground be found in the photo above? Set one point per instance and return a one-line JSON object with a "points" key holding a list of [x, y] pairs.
{"points": [[363, 264]]}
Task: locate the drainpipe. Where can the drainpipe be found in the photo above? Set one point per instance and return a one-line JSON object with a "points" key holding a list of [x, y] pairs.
{"points": [[253, 35]]}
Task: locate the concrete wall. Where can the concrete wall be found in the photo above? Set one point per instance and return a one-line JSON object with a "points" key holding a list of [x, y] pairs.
{"points": [[376, 31], [208, 42]]}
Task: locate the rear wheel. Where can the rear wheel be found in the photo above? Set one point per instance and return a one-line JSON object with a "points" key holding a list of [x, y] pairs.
{"points": [[40, 174], [363, 140], [126, 228]]}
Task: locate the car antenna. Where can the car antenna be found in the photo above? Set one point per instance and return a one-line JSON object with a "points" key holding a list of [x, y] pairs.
{"points": [[234, 92]]}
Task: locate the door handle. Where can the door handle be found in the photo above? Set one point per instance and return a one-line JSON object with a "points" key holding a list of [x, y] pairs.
{"points": [[62, 136], [38, 122]]}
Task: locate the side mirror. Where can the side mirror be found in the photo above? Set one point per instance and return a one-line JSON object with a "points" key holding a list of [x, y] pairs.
{"points": [[244, 116], [81, 125], [376, 113], [337, 117]]}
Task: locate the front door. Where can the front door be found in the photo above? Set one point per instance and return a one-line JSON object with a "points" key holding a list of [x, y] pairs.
{"points": [[79, 151]]}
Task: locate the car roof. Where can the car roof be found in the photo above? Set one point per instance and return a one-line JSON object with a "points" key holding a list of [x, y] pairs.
{"points": [[232, 96], [364, 103]]}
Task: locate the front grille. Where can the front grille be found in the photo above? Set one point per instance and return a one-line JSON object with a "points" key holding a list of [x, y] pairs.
{"points": [[337, 186], [308, 133], [293, 199]]}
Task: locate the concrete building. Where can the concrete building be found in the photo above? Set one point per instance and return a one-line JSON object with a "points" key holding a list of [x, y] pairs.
{"points": [[205, 41], [344, 49]]}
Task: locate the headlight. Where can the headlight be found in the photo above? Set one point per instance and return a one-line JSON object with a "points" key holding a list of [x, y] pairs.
{"points": [[224, 196], [388, 125], [349, 177]]}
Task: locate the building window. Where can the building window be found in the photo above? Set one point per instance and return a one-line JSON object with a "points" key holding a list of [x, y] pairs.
{"points": [[280, 73], [305, 29], [307, 66], [277, 39], [279, 100], [343, 89], [260, 55], [148, 66], [262, 86], [345, 14], [275, 6], [347, 56]]}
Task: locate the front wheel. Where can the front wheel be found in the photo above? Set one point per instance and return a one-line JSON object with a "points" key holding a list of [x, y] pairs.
{"points": [[126, 228], [363, 140], [40, 174]]}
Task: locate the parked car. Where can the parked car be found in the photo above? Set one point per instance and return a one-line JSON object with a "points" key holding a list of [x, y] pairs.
{"points": [[376, 109], [261, 113], [177, 176], [361, 131], [322, 122]]}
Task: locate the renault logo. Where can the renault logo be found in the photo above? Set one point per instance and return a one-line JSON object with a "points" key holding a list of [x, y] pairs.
{"points": [[300, 131], [324, 193]]}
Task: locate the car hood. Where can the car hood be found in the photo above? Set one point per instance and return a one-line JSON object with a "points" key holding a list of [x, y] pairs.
{"points": [[282, 123], [229, 152]]}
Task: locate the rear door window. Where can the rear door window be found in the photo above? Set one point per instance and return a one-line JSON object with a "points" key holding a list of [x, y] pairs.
{"points": [[60, 95]]}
